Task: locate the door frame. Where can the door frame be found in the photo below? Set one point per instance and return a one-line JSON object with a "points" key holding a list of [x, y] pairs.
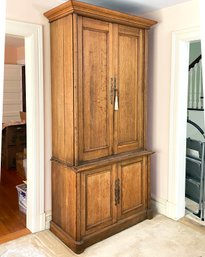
{"points": [[33, 35], [178, 115]]}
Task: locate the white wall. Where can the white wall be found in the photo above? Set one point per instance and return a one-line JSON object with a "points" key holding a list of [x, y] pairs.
{"points": [[170, 19], [32, 11]]}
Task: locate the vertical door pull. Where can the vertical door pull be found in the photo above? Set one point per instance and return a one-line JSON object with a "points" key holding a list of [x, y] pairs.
{"points": [[117, 191], [111, 90], [116, 96], [116, 106]]}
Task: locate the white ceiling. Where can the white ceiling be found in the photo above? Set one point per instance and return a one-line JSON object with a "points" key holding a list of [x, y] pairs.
{"points": [[133, 6]]}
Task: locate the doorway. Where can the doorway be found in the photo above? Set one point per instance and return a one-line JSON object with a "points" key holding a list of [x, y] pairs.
{"points": [[178, 120], [32, 35], [195, 139], [13, 193]]}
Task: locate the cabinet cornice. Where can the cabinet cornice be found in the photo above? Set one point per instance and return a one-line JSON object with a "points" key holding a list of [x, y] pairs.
{"points": [[100, 13]]}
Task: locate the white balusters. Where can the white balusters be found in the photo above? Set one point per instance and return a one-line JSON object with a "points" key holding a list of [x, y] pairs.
{"points": [[195, 89], [200, 102], [190, 100], [195, 69]]}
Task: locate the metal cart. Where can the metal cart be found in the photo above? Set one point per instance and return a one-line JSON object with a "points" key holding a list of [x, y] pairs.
{"points": [[195, 172]]}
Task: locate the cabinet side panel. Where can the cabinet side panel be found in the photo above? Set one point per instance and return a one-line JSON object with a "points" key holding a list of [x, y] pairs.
{"points": [[62, 88], [64, 198]]}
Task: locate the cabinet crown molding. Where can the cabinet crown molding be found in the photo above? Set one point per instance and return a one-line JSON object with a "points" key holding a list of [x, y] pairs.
{"points": [[101, 13]]}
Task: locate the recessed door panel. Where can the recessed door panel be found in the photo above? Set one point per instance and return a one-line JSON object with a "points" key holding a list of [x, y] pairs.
{"points": [[94, 72], [133, 187], [97, 195], [129, 70]]}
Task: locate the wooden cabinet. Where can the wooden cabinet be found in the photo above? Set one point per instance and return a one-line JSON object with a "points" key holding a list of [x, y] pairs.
{"points": [[13, 141], [113, 193], [98, 199], [100, 165]]}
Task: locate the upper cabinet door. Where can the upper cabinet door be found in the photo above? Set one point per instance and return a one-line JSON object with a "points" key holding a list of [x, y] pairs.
{"points": [[94, 76], [129, 100]]}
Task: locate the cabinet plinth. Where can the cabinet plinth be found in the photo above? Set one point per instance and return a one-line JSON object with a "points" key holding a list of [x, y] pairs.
{"points": [[98, 67]]}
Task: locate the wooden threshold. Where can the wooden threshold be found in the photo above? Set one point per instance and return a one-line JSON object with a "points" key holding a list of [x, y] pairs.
{"points": [[193, 224], [14, 235]]}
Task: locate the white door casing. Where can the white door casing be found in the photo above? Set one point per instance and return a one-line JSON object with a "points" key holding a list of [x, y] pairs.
{"points": [[32, 34], [2, 44], [178, 117]]}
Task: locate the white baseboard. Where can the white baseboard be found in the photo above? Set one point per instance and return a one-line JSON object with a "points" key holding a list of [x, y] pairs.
{"points": [[48, 219], [159, 205]]}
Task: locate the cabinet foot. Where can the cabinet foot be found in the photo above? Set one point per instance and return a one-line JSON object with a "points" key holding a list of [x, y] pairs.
{"points": [[79, 246], [75, 246]]}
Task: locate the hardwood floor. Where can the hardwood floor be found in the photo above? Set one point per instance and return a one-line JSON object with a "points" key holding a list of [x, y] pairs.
{"points": [[12, 221]]}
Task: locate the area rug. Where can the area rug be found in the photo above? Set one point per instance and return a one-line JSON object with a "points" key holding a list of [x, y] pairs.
{"points": [[159, 237], [24, 251]]}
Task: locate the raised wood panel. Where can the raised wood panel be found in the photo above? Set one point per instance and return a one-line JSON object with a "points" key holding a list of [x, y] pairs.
{"points": [[133, 187], [62, 89], [129, 69], [94, 116], [64, 188], [97, 199]]}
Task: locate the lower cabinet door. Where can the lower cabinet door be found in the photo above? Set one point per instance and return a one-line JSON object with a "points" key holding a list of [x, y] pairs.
{"points": [[132, 176], [98, 209]]}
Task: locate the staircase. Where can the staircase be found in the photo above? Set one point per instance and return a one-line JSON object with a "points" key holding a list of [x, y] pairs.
{"points": [[195, 85]]}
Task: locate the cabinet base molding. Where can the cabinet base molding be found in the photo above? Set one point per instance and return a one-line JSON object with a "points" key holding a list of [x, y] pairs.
{"points": [[79, 246]]}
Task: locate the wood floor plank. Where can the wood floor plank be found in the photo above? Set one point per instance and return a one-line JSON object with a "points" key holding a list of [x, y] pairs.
{"points": [[14, 235], [11, 219]]}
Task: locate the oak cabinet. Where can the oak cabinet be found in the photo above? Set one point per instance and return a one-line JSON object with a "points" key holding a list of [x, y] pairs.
{"points": [[112, 193], [13, 142], [98, 199], [100, 165]]}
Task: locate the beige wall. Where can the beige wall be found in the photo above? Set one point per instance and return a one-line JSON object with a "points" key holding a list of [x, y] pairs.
{"points": [[10, 55], [32, 11], [170, 19], [14, 55], [21, 55]]}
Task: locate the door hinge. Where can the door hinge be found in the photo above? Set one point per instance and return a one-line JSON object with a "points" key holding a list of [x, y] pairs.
{"points": [[117, 191]]}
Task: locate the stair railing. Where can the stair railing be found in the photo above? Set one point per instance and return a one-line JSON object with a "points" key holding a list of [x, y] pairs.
{"points": [[195, 86]]}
